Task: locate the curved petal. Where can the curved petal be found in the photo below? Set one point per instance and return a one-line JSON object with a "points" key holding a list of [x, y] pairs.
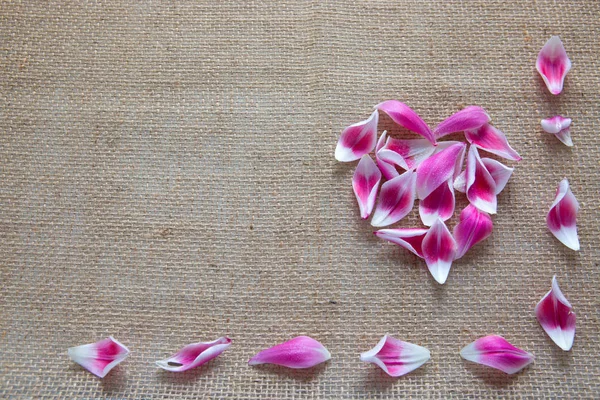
{"points": [[396, 357], [470, 117], [439, 204], [396, 199], [299, 352], [365, 183], [387, 169], [409, 238], [559, 126], [406, 117], [439, 250], [480, 187], [459, 160], [100, 357], [500, 173], [493, 141], [195, 354], [357, 139], [460, 183], [555, 314], [562, 217], [473, 227], [407, 154], [553, 64], [496, 352], [438, 168]]}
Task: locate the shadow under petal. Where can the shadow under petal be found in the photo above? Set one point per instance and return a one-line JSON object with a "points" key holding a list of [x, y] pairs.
{"points": [[303, 375], [491, 376], [115, 380], [186, 377]]}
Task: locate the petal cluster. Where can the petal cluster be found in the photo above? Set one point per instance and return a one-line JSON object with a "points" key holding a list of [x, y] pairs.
{"points": [[100, 357], [496, 352], [554, 312], [396, 357], [195, 354]]}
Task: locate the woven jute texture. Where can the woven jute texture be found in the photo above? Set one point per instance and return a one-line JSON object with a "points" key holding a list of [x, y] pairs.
{"points": [[167, 176]]}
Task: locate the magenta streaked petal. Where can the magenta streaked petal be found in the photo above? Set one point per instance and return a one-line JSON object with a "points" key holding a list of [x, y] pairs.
{"points": [[409, 238], [357, 139], [406, 117], [480, 187], [195, 354], [438, 168], [388, 170], [100, 357], [439, 250], [473, 227], [496, 352], [562, 217], [553, 64], [493, 141], [499, 172], [555, 314], [396, 357], [439, 204], [396, 199], [471, 117], [365, 183], [299, 352], [459, 160], [460, 183], [559, 126], [406, 154]]}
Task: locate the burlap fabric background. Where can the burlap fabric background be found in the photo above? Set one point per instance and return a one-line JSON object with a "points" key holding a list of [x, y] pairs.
{"points": [[167, 176]]}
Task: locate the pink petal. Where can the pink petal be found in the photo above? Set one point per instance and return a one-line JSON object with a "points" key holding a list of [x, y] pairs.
{"points": [[195, 354], [365, 183], [396, 199], [460, 183], [560, 127], [496, 352], [357, 140], [554, 312], [405, 116], [438, 168], [493, 141], [300, 352], [553, 64], [480, 187], [100, 357], [409, 238], [561, 219], [396, 357], [471, 117], [459, 161], [439, 250], [407, 154], [439, 204], [499, 172], [387, 169], [473, 227]]}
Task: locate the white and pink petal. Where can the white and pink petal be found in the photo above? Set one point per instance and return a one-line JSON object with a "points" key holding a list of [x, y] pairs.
{"points": [[562, 216], [480, 185], [388, 170], [365, 184], [470, 117], [409, 238], [553, 64], [555, 314], [499, 172], [406, 117], [396, 199], [100, 357], [439, 204], [496, 352], [439, 250], [438, 168], [560, 127], [299, 352], [406, 154], [473, 227], [194, 355], [358, 139], [492, 140], [396, 357]]}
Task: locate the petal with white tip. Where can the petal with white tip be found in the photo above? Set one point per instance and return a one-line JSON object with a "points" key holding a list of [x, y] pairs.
{"points": [[480, 186], [195, 354], [473, 227], [357, 139], [439, 250], [493, 141], [299, 352], [388, 170], [438, 168], [406, 154], [560, 127], [470, 117], [555, 314], [553, 64], [562, 217], [100, 357], [409, 238], [439, 204], [396, 199], [396, 357], [406, 117], [365, 183], [496, 352]]}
